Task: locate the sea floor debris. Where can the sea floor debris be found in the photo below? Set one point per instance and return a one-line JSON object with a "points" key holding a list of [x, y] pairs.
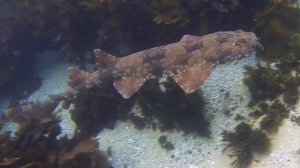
{"points": [[52, 66]]}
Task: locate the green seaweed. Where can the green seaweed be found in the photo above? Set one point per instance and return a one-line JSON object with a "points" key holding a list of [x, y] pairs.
{"points": [[295, 44], [275, 113], [263, 82], [275, 23], [271, 114], [288, 64], [291, 93], [244, 143], [266, 83]]}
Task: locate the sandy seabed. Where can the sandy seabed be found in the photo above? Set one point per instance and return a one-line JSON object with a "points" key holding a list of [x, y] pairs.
{"points": [[132, 148], [223, 91]]}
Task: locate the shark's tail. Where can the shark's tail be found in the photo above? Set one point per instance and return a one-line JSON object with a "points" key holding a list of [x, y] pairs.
{"points": [[79, 78], [106, 63]]}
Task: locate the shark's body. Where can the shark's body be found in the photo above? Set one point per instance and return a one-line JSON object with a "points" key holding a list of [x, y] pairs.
{"points": [[188, 61]]}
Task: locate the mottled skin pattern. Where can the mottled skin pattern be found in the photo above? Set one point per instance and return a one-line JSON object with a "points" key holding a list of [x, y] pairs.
{"points": [[188, 61]]}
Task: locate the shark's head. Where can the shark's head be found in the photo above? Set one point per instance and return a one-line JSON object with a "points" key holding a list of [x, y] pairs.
{"points": [[221, 47], [236, 45]]}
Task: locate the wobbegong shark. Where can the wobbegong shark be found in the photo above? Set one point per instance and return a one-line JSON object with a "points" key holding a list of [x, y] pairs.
{"points": [[189, 62]]}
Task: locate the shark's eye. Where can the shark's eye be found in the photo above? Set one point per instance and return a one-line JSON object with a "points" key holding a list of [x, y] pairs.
{"points": [[239, 31], [239, 42], [242, 40]]}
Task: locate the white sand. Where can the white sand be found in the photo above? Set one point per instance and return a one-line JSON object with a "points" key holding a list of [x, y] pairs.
{"points": [[53, 67], [133, 148], [285, 148], [223, 90], [68, 126]]}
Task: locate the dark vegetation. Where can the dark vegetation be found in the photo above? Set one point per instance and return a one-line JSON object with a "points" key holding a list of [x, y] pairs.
{"points": [[164, 143], [121, 27], [263, 82], [173, 108], [268, 82], [272, 115], [35, 145], [296, 119], [244, 142], [98, 108]]}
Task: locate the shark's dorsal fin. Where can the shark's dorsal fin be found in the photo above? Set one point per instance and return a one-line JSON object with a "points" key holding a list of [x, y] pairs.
{"points": [[193, 77], [127, 86], [76, 76], [189, 38], [104, 59]]}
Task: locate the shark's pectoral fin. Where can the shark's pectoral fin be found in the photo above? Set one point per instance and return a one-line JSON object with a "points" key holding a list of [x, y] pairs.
{"points": [[128, 86], [193, 77]]}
